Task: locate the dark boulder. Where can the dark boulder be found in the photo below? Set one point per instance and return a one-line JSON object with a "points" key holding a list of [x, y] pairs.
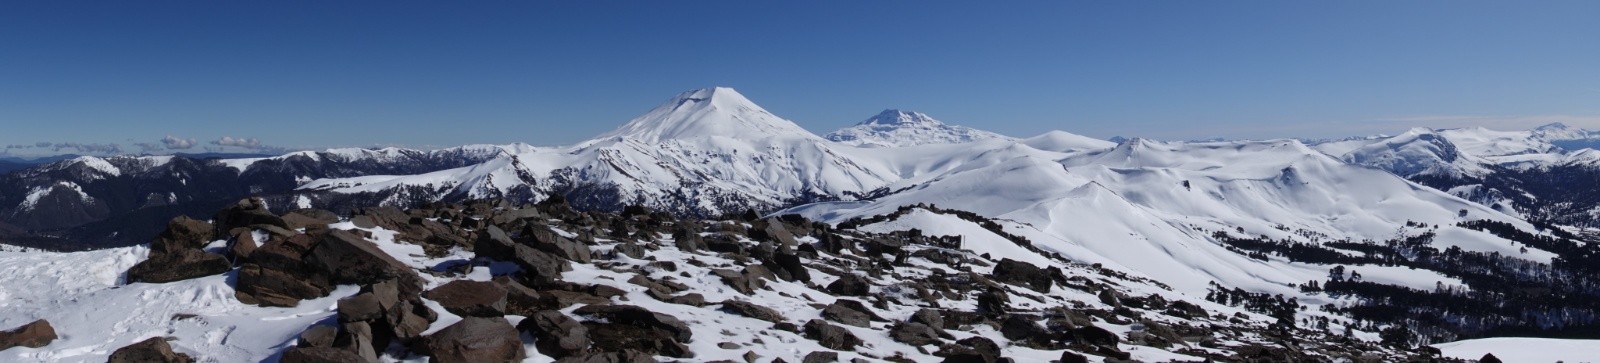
{"points": [[536, 265], [153, 350], [1094, 335], [1071, 357], [470, 298], [850, 285], [830, 336], [789, 264], [974, 350], [541, 237], [620, 337], [303, 218], [739, 281], [258, 285], [850, 312], [688, 240], [317, 336], [520, 299], [303, 354], [555, 334], [725, 243], [359, 337], [915, 334], [691, 299], [993, 302], [1023, 274], [349, 259], [630, 249], [178, 265], [634, 315], [820, 357], [1489, 358], [772, 230], [1023, 329], [928, 317], [747, 309], [475, 339], [37, 334], [625, 356], [242, 245], [365, 307], [183, 233], [247, 212]]}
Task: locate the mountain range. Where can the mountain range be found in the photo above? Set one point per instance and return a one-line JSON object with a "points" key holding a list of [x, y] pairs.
{"points": [[1423, 214]]}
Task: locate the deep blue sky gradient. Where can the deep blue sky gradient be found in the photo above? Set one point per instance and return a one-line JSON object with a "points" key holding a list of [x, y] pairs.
{"points": [[433, 73]]}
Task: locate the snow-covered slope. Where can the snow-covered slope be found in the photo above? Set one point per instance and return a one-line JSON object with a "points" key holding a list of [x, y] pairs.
{"points": [[703, 113], [82, 294], [1524, 349], [707, 152], [896, 128], [1150, 207], [1462, 152], [1417, 152]]}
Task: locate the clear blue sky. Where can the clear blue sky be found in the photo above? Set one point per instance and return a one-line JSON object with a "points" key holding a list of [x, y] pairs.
{"points": [[435, 73]]}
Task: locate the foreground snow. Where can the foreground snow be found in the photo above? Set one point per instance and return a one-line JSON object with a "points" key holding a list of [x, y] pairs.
{"points": [[79, 294], [1525, 349]]}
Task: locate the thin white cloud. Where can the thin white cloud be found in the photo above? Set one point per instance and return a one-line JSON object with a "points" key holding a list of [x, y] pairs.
{"points": [[248, 143], [174, 142]]}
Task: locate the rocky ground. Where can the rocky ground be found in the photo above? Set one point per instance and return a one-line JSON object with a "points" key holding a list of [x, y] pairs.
{"points": [[490, 282]]}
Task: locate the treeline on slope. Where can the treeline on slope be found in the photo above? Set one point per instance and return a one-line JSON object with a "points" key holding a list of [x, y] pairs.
{"points": [[1560, 194], [988, 225], [1507, 295]]}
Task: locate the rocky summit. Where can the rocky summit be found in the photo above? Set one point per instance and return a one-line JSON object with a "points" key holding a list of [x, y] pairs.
{"points": [[491, 281]]}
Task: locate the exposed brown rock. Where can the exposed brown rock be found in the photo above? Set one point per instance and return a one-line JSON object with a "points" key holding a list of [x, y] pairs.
{"points": [[747, 309], [556, 334], [37, 334], [303, 354], [476, 339], [178, 265], [830, 336], [153, 350], [470, 298], [182, 233]]}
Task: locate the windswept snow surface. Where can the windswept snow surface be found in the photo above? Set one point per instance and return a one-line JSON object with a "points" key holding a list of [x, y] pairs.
{"points": [[1142, 206], [1465, 152], [1525, 349], [80, 294], [1150, 208]]}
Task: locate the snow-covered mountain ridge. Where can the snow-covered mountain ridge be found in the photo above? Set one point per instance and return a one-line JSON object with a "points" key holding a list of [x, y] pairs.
{"points": [[1527, 173], [898, 128], [1197, 219]]}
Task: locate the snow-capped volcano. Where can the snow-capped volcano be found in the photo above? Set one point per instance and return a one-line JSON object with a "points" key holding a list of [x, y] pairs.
{"points": [[898, 128], [703, 152], [707, 112]]}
